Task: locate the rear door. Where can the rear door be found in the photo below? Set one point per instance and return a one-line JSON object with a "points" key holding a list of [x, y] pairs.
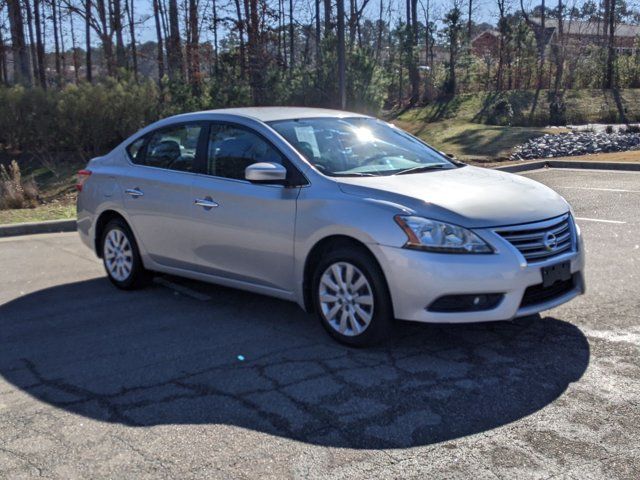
{"points": [[246, 232], [158, 192]]}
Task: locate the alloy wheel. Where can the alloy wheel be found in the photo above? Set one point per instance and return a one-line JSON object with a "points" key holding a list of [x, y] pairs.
{"points": [[118, 255], [346, 299]]}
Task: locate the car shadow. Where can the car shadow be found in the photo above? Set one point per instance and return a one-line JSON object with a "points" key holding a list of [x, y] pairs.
{"points": [[155, 357]]}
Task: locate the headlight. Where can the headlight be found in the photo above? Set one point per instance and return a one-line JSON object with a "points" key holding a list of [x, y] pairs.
{"points": [[434, 236]]}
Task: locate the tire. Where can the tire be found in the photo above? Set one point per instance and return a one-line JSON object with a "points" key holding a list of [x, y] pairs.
{"points": [[368, 297], [121, 257]]}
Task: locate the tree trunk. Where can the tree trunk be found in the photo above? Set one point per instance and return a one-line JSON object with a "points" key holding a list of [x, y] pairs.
{"points": [[106, 37], [256, 70], [414, 74], [342, 77], [129, 7], [241, 35], [469, 22], [4, 74], [40, 72], [379, 34], [318, 33], [327, 17], [121, 56], [63, 50], [87, 34], [292, 39], [194, 48], [21, 69], [560, 50], [216, 68], [160, 51], [32, 43], [174, 49], [74, 50], [56, 42], [609, 78]]}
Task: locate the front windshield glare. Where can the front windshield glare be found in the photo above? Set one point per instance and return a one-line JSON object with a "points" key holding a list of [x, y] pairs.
{"points": [[359, 147]]}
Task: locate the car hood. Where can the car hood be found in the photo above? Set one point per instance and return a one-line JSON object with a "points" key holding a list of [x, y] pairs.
{"points": [[469, 196]]}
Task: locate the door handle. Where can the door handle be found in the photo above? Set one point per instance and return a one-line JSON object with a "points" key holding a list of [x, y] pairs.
{"points": [[134, 192], [206, 203]]}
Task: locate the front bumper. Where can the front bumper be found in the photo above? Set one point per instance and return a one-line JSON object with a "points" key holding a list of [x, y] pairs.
{"points": [[417, 278]]}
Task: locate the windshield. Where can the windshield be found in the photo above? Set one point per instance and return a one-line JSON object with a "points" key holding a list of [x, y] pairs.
{"points": [[359, 147]]}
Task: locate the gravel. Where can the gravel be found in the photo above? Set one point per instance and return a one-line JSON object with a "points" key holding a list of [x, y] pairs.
{"points": [[576, 143]]}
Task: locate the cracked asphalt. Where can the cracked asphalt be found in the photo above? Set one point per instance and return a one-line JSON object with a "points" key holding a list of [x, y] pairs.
{"points": [[164, 383]]}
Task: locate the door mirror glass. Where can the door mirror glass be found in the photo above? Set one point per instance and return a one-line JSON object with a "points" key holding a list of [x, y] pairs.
{"points": [[265, 172]]}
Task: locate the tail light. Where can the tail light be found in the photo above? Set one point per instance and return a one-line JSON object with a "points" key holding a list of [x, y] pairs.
{"points": [[83, 176]]}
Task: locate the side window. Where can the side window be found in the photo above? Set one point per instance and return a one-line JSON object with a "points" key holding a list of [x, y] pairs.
{"points": [[135, 151], [173, 148], [232, 149]]}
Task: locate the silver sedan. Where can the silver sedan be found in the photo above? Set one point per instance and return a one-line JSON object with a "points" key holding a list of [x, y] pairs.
{"points": [[342, 213]]}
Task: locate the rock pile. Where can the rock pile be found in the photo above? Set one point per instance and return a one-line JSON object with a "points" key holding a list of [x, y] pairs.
{"points": [[576, 143]]}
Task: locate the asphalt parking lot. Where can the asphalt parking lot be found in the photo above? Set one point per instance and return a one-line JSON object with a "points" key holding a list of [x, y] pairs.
{"points": [[191, 380]]}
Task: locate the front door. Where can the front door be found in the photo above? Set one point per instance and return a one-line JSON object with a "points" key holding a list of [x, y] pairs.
{"points": [[244, 231]]}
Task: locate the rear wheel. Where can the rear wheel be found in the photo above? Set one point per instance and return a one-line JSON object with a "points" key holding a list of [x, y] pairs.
{"points": [[351, 297], [121, 257]]}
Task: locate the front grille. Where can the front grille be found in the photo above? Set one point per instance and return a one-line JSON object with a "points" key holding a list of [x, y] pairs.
{"points": [[539, 294], [541, 240]]}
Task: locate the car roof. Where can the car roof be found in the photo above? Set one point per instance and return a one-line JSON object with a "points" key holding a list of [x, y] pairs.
{"points": [[270, 114]]}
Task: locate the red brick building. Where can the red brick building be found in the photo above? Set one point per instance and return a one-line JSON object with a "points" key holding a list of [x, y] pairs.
{"points": [[577, 34], [486, 43]]}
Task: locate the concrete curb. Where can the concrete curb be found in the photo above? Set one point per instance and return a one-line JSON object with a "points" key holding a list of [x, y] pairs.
{"points": [[550, 163], [30, 228]]}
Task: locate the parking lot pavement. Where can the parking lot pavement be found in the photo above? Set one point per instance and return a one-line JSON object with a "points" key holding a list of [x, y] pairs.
{"points": [[185, 379]]}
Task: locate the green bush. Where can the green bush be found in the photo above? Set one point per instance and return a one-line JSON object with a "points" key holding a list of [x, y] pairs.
{"points": [[80, 118]]}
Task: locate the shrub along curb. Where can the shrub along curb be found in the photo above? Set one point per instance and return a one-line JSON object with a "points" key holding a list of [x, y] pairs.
{"points": [[55, 226], [50, 226]]}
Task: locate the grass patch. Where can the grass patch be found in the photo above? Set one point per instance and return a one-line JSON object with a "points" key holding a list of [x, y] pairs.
{"points": [[473, 142], [55, 178], [52, 211], [460, 125]]}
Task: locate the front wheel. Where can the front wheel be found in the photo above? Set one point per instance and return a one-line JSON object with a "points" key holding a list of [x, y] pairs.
{"points": [[121, 257], [351, 297]]}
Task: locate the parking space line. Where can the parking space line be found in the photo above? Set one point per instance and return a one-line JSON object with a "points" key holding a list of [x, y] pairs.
{"points": [[584, 219], [618, 190]]}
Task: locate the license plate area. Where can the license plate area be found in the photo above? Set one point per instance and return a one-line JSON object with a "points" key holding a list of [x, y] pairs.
{"points": [[556, 273]]}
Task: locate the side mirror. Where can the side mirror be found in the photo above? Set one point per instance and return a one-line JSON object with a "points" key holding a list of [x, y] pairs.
{"points": [[265, 172], [451, 156]]}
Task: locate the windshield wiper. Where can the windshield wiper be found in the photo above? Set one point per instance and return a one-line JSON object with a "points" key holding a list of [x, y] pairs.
{"points": [[355, 174], [421, 168]]}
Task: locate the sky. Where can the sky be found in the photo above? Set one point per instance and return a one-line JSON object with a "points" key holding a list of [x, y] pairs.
{"points": [[484, 11]]}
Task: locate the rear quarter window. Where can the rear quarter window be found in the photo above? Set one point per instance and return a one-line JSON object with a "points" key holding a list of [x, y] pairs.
{"points": [[136, 152]]}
